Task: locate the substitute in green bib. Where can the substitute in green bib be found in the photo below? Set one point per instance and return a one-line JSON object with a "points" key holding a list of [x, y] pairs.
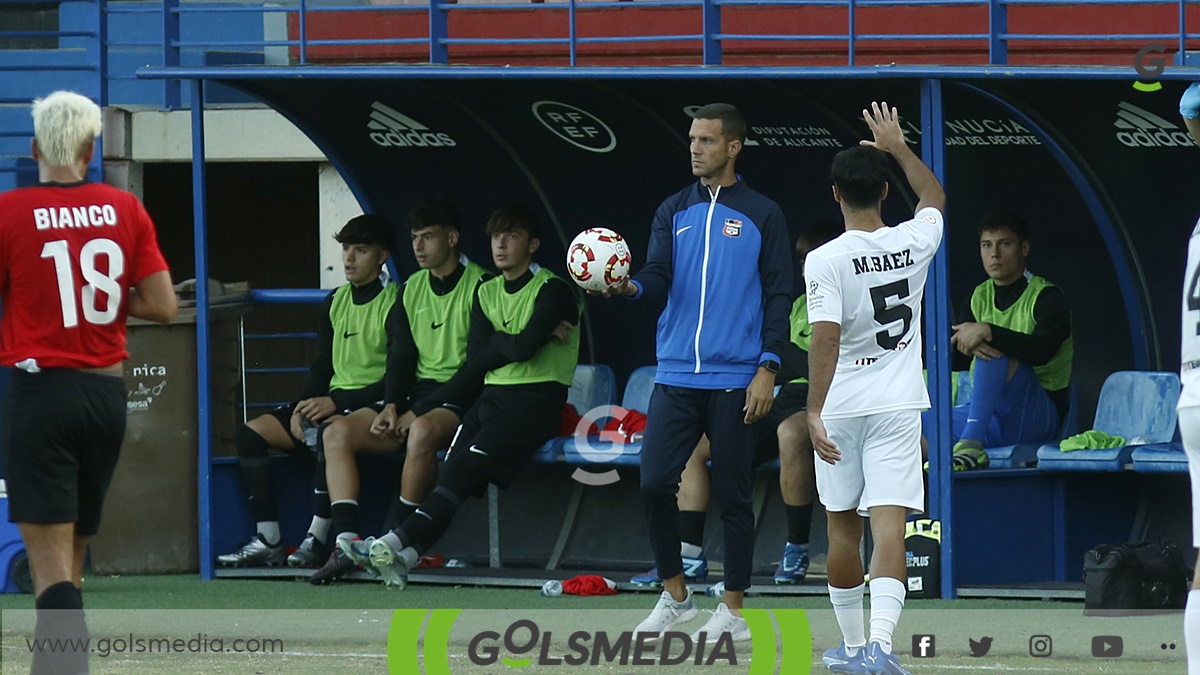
{"points": [[346, 375], [1017, 337], [426, 344], [522, 347]]}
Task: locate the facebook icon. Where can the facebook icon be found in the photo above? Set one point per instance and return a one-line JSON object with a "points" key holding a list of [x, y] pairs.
{"points": [[924, 646]]}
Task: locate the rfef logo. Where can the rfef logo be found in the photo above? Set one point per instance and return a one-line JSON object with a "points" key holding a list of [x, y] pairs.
{"points": [[523, 642], [575, 126], [391, 128]]}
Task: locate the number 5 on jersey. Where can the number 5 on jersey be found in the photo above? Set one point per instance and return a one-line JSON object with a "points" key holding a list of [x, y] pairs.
{"points": [[104, 284]]}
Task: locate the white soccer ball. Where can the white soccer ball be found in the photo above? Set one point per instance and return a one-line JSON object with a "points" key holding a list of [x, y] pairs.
{"points": [[598, 258]]}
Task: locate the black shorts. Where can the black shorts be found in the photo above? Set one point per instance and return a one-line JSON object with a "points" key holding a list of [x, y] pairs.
{"points": [[62, 437], [791, 399], [507, 425], [283, 414], [426, 388]]}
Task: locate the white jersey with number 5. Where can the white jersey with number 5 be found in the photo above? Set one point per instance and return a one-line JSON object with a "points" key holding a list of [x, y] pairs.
{"points": [[1190, 342], [871, 284]]}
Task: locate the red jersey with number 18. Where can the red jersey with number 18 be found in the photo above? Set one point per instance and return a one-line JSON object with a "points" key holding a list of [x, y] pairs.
{"points": [[68, 256]]}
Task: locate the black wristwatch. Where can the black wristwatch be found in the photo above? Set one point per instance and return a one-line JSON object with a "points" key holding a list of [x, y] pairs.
{"points": [[770, 364]]}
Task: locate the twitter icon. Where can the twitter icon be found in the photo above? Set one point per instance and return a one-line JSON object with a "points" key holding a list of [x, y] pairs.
{"points": [[980, 648]]}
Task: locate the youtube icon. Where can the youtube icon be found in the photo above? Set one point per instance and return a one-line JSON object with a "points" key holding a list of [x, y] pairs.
{"points": [[1107, 646]]}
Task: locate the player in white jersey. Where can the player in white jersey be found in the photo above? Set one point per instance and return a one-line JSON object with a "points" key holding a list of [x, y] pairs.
{"points": [[1189, 400], [866, 390]]}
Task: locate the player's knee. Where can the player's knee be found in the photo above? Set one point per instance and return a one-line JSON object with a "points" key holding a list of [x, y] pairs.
{"points": [[249, 443], [426, 437], [336, 439]]}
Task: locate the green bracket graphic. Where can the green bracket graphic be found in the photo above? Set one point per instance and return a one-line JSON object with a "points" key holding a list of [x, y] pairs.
{"points": [[405, 634], [795, 641], [1142, 86]]}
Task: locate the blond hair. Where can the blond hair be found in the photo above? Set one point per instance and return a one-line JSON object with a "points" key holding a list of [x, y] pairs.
{"points": [[65, 124]]}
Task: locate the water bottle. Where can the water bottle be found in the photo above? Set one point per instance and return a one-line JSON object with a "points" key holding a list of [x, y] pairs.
{"points": [[552, 589], [310, 432], [717, 590]]}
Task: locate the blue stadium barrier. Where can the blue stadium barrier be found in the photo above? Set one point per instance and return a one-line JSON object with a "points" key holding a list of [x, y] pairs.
{"points": [[1138, 406]]}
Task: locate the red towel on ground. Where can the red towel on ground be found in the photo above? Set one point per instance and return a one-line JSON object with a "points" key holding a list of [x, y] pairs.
{"points": [[589, 584]]}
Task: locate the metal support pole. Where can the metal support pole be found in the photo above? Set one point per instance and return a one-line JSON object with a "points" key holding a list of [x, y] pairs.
{"points": [[200, 236], [712, 26], [439, 29], [937, 356], [171, 88]]}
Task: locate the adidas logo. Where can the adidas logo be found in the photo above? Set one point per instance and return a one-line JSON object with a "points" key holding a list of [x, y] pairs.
{"points": [[1137, 128], [393, 129]]}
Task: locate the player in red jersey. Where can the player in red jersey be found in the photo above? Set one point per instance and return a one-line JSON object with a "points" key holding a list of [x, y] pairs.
{"points": [[77, 259]]}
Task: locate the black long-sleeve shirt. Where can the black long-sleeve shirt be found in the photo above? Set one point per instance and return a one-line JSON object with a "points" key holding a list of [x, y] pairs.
{"points": [[320, 372], [488, 349]]}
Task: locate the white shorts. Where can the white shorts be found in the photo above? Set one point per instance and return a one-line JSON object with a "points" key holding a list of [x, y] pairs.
{"points": [[880, 464], [1189, 429]]}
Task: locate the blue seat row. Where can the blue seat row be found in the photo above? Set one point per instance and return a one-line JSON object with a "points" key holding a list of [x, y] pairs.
{"points": [[1138, 406]]}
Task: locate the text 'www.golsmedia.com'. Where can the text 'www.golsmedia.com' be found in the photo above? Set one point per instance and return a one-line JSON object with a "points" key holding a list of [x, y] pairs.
{"points": [[130, 644]]}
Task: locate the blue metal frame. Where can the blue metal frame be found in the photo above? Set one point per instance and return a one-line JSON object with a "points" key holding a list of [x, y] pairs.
{"points": [[203, 390], [937, 360]]}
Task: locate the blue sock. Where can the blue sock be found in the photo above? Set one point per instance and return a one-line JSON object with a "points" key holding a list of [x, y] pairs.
{"points": [[990, 378]]}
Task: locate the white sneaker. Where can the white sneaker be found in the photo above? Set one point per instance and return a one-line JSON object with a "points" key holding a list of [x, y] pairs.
{"points": [[723, 621], [666, 614]]}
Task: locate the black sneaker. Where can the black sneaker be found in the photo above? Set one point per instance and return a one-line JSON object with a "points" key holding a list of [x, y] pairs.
{"points": [[310, 553], [336, 567]]}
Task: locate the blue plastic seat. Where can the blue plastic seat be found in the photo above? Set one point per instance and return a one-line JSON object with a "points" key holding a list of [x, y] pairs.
{"points": [[1136, 405], [636, 397], [592, 386], [1160, 458]]}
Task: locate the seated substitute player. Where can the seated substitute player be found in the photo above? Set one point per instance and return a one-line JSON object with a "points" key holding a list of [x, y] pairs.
{"points": [[866, 390], [346, 374], [783, 433], [427, 342], [77, 259], [1189, 399], [522, 347], [1019, 347]]}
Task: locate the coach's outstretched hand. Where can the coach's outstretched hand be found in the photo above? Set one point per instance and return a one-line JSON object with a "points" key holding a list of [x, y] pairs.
{"points": [[624, 288], [885, 127], [1189, 104]]}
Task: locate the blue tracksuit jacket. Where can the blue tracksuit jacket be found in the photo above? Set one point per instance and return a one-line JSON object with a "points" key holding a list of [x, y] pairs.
{"points": [[724, 261]]}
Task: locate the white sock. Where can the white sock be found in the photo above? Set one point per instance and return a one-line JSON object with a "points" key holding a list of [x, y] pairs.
{"points": [[410, 556], [320, 528], [1191, 632], [848, 608], [393, 541], [408, 503], [269, 530], [887, 599], [689, 550]]}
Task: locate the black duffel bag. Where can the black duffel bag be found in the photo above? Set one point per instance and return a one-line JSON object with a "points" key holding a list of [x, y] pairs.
{"points": [[1145, 576]]}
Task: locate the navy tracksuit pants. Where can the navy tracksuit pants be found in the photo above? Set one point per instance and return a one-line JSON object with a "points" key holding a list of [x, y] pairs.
{"points": [[678, 416]]}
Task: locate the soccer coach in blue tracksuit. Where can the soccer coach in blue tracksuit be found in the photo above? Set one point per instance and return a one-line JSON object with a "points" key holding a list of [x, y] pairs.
{"points": [[719, 251]]}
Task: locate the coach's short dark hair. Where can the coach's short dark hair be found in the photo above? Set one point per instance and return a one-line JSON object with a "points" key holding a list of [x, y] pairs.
{"points": [[733, 122], [819, 232], [434, 212], [860, 173], [512, 217], [366, 229], [1005, 220]]}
